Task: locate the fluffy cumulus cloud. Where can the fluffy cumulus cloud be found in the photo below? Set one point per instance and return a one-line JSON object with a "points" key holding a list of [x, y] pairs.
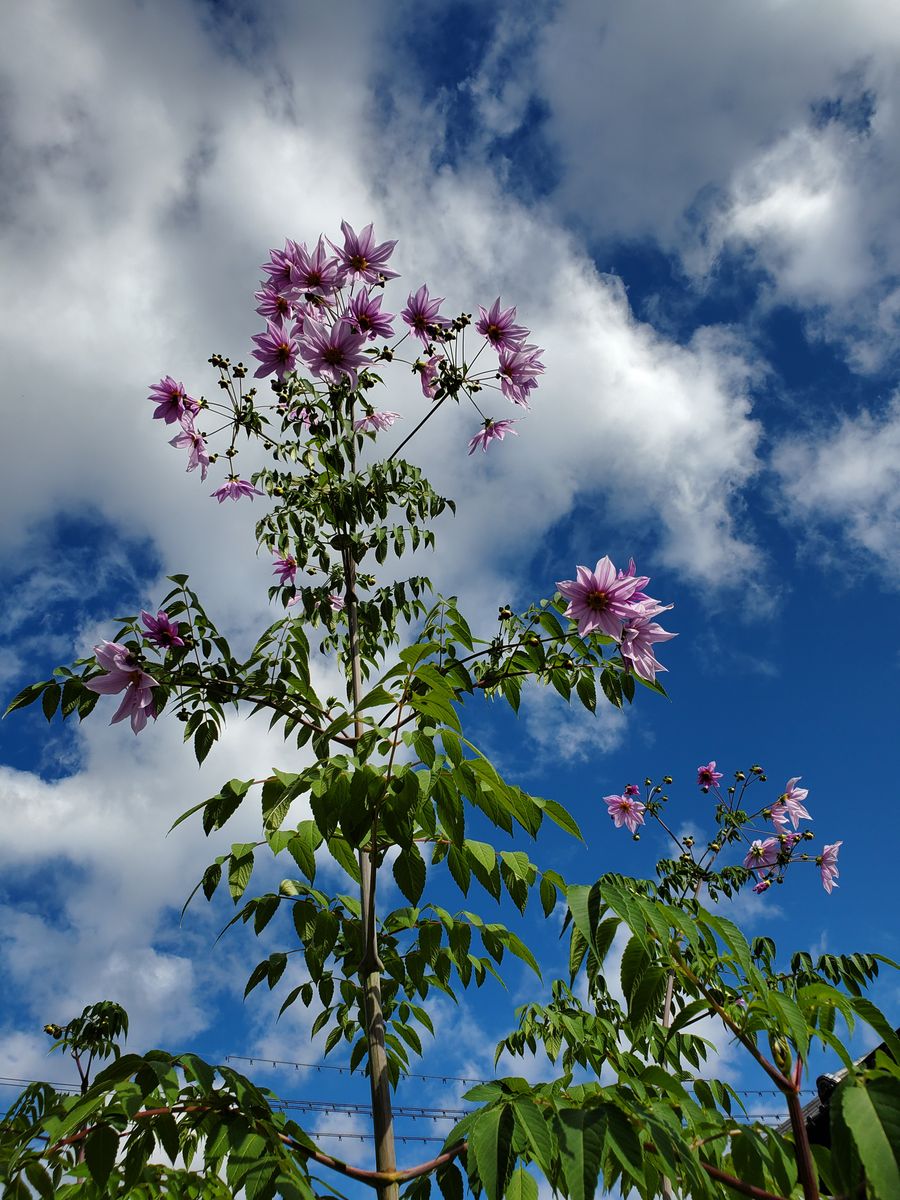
{"points": [[848, 479], [769, 128]]}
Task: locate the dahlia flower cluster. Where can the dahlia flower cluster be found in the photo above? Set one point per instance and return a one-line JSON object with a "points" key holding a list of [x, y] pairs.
{"points": [[767, 858], [324, 314], [614, 603]]}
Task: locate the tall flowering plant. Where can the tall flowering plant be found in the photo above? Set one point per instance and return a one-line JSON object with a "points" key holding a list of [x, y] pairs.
{"points": [[390, 780]]}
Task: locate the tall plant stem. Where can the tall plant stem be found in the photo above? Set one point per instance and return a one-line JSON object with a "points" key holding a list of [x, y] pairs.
{"points": [[371, 966]]}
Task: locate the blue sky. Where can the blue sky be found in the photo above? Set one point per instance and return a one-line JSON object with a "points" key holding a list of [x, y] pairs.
{"points": [[696, 214]]}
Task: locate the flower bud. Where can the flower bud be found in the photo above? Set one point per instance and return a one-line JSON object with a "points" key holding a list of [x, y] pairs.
{"points": [[739, 775], [808, 835], [635, 837], [715, 846], [667, 780], [648, 783], [505, 613]]}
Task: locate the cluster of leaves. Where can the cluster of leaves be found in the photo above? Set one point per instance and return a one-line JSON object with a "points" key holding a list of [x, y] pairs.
{"points": [[655, 1119], [219, 1132]]}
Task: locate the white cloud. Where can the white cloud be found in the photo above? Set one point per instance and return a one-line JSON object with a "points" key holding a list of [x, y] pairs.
{"points": [[847, 477]]}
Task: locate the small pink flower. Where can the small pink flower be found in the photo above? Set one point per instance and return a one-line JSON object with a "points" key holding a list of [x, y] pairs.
{"points": [[759, 888], [499, 327], [198, 456], [336, 602], [631, 789], [374, 421], [708, 776], [286, 569], [790, 805], [161, 630], [828, 865], [762, 854], [234, 489], [492, 431], [428, 375], [172, 402], [624, 810]]}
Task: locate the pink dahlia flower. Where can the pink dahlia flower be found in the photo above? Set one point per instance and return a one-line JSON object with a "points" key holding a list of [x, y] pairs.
{"points": [[708, 776], [195, 442], [499, 327], [276, 349], [518, 371], [828, 865], [333, 354], [364, 311], [423, 311], [286, 569], [631, 789], [428, 375], [273, 304], [492, 431], [280, 266], [374, 421], [315, 273], [790, 805], [598, 600], [361, 258], [625, 810], [161, 630], [172, 402], [235, 489], [124, 673], [639, 635], [762, 854], [336, 602]]}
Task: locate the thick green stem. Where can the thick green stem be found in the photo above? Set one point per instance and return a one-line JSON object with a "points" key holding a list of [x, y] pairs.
{"points": [[370, 968]]}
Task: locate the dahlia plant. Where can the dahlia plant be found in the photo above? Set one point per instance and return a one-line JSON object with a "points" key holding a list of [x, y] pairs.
{"points": [[389, 780]]}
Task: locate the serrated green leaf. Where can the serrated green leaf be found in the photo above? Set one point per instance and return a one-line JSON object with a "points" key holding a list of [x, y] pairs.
{"points": [[872, 1115], [491, 1143], [409, 872], [100, 1149]]}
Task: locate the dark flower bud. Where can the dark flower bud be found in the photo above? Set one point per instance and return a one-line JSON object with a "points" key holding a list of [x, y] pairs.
{"points": [[505, 613], [55, 1031], [667, 780], [767, 813], [635, 837], [740, 775], [648, 783], [715, 846], [808, 835]]}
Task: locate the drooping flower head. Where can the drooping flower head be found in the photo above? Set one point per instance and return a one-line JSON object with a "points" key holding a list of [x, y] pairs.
{"points": [[336, 602], [161, 630], [708, 776], [827, 861], [631, 789], [790, 805], [374, 421], [333, 354], [492, 431], [235, 489], [276, 349], [518, 371], [361, 258], [639, 635], [172, 402], [422, 314], [762, 854], [499, 327], [763, 885], [191, 440], [285, 569], [598, 600], [124, 673], [625, 810], [364, 310], [428, 375]]}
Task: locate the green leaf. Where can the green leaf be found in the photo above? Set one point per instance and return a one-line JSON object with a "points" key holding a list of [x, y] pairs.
{"points": [[50, 700], [581, 1134], [27, 696], [533, 1123], [303, 846], [409, 872], [491, 1141], [100, 1149], [872, 1115], [522, 1186], [873, 1016]]}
